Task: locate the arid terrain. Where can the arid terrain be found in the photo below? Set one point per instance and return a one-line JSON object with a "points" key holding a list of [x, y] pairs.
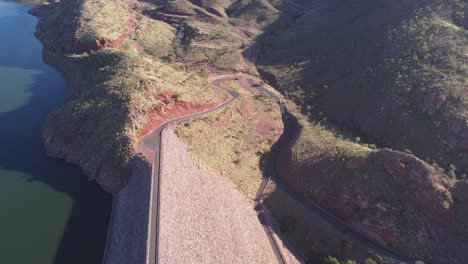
{"points": [[376, 90]]}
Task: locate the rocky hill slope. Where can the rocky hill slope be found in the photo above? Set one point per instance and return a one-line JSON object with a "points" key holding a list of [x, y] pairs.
{"points": [[382, 125], [390, 73], [394, 72], [117, 60], [392, 197]]}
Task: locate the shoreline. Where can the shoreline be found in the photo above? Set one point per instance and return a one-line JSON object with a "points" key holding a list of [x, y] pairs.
{"points": [[51, 208]]}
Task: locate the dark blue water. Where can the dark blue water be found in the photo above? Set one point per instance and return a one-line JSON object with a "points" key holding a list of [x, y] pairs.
{"points": [[49, 212]]}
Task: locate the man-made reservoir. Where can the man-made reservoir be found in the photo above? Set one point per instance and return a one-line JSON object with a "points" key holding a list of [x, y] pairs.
{"points": [[49, 211]]}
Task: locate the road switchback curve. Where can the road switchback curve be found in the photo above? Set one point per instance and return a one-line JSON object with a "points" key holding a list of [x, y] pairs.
{"points": [[153, 141]]}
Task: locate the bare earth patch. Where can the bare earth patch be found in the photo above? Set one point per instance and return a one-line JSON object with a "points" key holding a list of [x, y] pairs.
{"points": [[204, 218]]}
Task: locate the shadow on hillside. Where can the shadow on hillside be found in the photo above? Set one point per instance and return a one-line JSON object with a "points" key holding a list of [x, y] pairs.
{"points": [[316, 35], [326, 54], [312, 237]]}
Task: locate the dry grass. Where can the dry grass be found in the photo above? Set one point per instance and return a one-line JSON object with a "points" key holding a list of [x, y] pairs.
{"points": [[182, 6], [155, 37], [254, 16], [403, 61], [103, 19], [317, 142], [214, 43], [228, 143], [138, 79], [115, 89]]}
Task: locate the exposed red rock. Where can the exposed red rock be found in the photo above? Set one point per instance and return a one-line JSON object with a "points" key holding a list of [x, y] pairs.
{"points": [[433, 103], [100, 44], [247, 108], [223, 120], [104, 42], [266, 124], [172, 108], [355, 163]]}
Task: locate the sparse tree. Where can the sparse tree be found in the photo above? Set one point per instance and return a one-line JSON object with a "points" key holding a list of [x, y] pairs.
{"points": [[451, 171], [331, 260], [369, 261]]}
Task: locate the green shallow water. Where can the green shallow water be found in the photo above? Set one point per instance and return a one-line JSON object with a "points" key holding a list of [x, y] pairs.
{"points": [[49, 212], [16, 83], [36, 201]]}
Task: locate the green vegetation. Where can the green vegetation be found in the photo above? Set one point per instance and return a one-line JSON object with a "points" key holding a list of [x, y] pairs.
{"points": [[387, 73], [331, 260], [202, 41], [367, 73], [243, 132], [369, 261], [111, 115], [334, 260], [115, 90], [317, 143], [451, 171], [395, 72], [254, 15], [104, 18]]}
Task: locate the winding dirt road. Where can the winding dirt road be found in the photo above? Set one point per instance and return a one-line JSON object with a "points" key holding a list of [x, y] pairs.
{"points": [[289, 134], [153, 141]]}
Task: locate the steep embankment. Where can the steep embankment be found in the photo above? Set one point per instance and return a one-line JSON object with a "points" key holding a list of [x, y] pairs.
{"points": [[185, 191], [391, 196], [111, 54], [392, 73]]}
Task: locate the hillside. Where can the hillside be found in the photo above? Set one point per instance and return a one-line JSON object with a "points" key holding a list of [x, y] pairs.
{"points": [[393, 72], [383, 86], [116, 60], [377, 88], [390, 196]]}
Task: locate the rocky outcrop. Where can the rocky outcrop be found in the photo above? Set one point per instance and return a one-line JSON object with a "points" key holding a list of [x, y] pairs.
{"points": [[104, 42], [433, 103], [427, 188], [57, 37], [100, 44], [392, 197], [40, 10], [117, 94]]}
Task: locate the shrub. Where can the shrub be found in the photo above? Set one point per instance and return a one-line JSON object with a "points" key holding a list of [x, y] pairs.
{"points": [[331, 260], [369, 261], [451, 171]]}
